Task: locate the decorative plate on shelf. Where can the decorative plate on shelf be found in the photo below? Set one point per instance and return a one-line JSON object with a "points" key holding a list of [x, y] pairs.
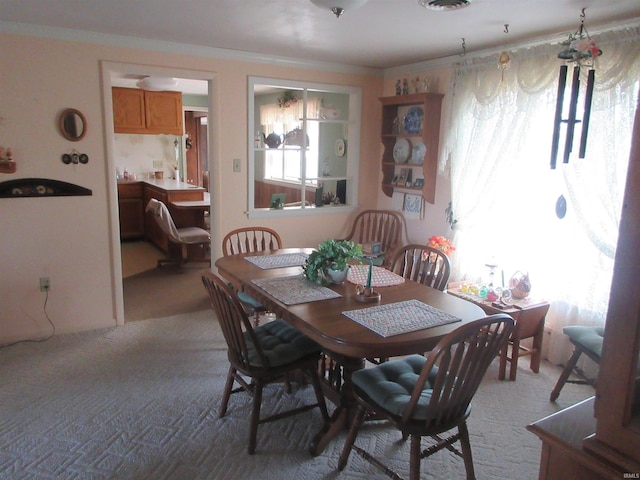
{"points": [[413, 120], [418, 152], [340, 147], [401, 150]]}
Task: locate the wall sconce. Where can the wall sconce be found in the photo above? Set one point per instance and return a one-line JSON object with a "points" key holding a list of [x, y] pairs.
{"points": [[581, 50]]}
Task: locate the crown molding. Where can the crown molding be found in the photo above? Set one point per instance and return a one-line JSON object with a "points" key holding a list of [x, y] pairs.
{"points": [[73, 35]]}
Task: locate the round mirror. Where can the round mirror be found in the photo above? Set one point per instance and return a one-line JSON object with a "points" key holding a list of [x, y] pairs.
{"points": [[73, 125]]}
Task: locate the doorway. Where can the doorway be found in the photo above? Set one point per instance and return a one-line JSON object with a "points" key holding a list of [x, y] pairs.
{"points": [[196, 146], [168, 299]]}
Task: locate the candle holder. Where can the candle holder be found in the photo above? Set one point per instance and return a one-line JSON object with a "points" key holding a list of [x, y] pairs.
{"points": [[366, 295]]}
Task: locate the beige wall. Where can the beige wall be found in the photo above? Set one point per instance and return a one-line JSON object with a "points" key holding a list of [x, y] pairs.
{"points": [[72, 240], [69, 238]]}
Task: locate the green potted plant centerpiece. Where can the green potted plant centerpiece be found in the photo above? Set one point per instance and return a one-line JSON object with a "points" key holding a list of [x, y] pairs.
{"points": [[328, 263]]}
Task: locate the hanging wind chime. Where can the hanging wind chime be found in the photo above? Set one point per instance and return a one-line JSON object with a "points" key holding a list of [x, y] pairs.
{"points": [[581, 50]]}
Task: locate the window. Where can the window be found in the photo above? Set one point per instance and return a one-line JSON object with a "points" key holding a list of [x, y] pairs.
{"points": [[297, 137], [504, 194]]}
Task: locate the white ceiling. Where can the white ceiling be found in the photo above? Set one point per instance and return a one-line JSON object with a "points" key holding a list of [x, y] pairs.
{"points": [[381, 34]]}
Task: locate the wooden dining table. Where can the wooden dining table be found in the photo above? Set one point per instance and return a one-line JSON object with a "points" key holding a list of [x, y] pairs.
{"points": [[346, 343]]}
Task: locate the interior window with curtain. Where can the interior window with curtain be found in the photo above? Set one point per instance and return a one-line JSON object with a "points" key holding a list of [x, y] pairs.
{"points": [[504, 193], [281, 164]]}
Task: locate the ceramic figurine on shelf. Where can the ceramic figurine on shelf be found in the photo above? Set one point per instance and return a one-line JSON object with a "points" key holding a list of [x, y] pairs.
{"points": [[425, 84], [398, 87], [405, 87]]}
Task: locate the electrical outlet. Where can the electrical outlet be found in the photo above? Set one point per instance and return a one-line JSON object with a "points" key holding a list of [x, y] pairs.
{"points": [[236, 165], [44, 284], [157, 164]]}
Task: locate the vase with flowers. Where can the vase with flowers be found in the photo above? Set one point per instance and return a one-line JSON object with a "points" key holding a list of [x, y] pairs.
{"points": [[441, 243]]}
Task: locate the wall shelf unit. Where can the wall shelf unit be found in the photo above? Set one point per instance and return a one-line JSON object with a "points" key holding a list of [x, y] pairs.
{"points": [[416, 118]]}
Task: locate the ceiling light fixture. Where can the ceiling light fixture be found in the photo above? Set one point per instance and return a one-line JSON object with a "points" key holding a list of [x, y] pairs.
{"points": [[338, 7], [440, 5], [157, 84]]}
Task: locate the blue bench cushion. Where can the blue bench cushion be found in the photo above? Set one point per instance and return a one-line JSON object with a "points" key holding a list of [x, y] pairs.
{"points": [[281, 344], [589, 338], [390, 384]]}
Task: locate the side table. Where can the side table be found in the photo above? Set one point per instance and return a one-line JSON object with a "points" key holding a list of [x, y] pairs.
{"points": [[529, 316]]}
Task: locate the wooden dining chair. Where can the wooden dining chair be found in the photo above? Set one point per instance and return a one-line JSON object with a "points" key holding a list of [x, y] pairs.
{"points": [[383, 226], [422, 264], [247, 240], [265, 354], [250, 239], [428, 396]]}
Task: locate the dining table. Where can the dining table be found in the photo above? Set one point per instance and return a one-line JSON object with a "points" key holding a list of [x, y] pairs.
{"points": [[407, 318]]}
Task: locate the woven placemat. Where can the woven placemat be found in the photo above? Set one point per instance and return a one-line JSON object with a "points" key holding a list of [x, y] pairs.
{"points": [[278, 260], [381, 277], [400, 317], [295, 289]]}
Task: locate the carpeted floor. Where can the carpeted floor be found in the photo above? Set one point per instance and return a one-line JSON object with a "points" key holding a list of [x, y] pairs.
{"points": [[140, 401], [165, 291], [152, 292]]}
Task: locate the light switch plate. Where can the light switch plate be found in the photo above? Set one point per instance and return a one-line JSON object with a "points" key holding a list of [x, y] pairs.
{"points": [[236, 165]]}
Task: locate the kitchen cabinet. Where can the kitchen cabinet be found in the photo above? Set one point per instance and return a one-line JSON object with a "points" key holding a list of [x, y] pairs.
{"points": [[131, 210], [145, 112], [410, 136]]}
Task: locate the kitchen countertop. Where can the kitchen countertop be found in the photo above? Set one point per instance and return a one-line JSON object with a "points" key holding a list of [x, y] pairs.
{"points": [[164, 184]]}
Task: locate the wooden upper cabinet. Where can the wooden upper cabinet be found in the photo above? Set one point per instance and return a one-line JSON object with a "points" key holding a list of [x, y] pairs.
{"points": [[128, 110], [141, 111]]}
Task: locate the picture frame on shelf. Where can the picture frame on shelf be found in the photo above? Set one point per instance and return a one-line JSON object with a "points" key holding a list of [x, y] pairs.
{"points": [[402, 177], [419, 183], [408, 177]]}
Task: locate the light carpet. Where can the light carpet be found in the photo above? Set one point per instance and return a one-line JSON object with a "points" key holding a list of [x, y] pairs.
{"points": [[140, 401]]}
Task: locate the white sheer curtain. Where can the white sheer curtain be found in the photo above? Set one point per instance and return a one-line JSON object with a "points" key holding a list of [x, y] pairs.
{"points": [[504, 193], [282, 120]]}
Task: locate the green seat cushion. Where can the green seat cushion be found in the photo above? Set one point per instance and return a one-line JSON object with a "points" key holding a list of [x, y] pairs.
{"points": [[390, 384], [589, 338], [246, 299], [281, 343]]}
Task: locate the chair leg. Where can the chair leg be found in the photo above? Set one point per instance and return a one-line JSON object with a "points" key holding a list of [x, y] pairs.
{"points": [[351, 437], [231, 375], [564, 376], [255, 417], [465, 446], [414, 457]]}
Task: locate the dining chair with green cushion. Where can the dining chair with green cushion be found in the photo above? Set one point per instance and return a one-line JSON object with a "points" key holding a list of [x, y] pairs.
{"points": [[264, 355], [428, 396], [587, 340], [383, 226], [422, 264], [247, 240]]}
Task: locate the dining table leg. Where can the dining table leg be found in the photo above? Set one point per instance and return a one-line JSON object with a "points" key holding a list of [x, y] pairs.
{"points": [[345, 410]]}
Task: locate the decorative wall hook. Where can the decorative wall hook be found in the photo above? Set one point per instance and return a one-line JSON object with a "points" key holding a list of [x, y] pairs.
{"points": [[464, 49], [75, 157]]}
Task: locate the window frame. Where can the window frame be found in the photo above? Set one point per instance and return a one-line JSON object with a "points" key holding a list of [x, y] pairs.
{"points": [[352, 135]]}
